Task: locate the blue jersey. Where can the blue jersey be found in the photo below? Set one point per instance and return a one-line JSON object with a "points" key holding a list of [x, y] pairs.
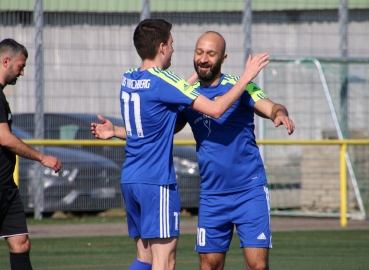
{"points": [[150, 101], [228, 156]]}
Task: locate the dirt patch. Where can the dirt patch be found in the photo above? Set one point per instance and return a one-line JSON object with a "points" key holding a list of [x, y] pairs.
{"points": [[189, 227]]}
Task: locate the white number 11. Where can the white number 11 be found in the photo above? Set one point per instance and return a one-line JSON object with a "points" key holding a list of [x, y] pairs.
{"points": [[137, 113]]}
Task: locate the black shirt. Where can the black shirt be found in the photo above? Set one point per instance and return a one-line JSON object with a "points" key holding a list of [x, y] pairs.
{"points": [[7, 158]]}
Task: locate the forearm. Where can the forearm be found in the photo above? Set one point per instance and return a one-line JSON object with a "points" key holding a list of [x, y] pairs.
{"points": [[193, 78], [19, 148], [218, 107], [278, 110], [120, 132], [227, 100]]}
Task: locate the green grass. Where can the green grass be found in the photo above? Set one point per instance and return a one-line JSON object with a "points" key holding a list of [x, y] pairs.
{"points": [[341, 249], [110, 216]]}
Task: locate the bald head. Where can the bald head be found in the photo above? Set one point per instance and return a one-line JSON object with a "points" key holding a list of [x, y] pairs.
{"points": [[219, 43], [209, 57]]}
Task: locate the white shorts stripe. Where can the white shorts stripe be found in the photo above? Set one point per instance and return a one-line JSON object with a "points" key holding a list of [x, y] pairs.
{"points": [[164, 212]]}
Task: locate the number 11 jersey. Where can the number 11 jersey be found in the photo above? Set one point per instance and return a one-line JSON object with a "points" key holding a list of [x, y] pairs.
{"points": [[150, 101]]}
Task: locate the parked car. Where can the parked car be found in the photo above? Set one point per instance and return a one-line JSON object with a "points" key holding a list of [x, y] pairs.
{"points": [[78, 127], [86, 181]]}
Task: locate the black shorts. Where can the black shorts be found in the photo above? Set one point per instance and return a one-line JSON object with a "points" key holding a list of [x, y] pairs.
{"points": [[12, 216]]}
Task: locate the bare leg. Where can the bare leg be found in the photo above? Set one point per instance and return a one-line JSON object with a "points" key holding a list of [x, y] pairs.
{"points": [[19, 243], [163, 253], [212, 261], [19, 247], [256, 258], [143, 250]]}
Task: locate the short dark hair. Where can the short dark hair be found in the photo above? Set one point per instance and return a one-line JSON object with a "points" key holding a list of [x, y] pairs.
{"points": [[12, 47], [148, 35]]}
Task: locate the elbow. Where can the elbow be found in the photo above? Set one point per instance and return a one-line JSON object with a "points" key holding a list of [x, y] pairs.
{"points": [[216, 113], [5, 143]]}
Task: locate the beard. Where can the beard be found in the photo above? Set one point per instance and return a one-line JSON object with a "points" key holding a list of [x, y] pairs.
{"points": [[13, 82], [167, 65], [11, 78], [207, 76]]}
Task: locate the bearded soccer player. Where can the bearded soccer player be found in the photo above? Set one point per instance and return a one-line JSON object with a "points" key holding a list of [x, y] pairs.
{"points": [[234, 189], [150, 99], [13, 225]]}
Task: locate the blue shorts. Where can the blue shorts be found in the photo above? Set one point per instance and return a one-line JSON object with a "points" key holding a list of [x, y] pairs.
{"points": [[153, 211], [247, 210]]}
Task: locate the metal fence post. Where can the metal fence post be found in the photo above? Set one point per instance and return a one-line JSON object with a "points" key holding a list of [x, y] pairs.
{"points": [[145, 11], [39, 120], [343, 21], [246, 25]]}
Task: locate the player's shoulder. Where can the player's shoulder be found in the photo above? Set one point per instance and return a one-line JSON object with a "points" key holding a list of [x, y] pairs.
{"points": [[169, 77], [229, 79], [166, 74], [132, 70]]}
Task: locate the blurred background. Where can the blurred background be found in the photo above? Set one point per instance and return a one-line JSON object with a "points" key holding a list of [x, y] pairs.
{"points": [[78, 51]]}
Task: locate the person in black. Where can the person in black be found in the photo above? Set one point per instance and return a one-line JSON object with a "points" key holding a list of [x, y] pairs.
{"points": [[13, 225]]}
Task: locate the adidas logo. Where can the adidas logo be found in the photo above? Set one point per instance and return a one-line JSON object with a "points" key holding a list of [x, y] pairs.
{"points": [[261, 237]]}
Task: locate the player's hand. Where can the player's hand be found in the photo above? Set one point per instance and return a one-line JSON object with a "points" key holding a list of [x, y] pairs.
{"points": [[286, 121], [255, 64], [103, 131], [51, 162]]}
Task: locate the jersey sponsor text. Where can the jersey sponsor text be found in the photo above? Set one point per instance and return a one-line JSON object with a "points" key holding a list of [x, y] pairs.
{"points": [[136, 84]]}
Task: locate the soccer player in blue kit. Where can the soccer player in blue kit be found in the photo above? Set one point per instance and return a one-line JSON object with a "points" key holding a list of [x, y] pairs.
{"points": [[150, 99], [234, 189]]}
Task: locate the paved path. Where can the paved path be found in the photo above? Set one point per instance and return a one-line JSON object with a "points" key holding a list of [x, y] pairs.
{"points": [[189, 227]]}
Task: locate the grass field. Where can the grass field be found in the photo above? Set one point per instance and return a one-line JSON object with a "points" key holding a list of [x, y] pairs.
{"points": [[342, 249]]}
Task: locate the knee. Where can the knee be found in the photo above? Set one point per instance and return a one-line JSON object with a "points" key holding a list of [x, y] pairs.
{"points": [[19, 244], [211, 265], [257, 265], [172, 263]]}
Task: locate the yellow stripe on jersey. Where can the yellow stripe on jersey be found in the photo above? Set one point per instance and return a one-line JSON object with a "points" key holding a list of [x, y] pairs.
{"points": [[254, 91], [131, 70], [175, 81]]}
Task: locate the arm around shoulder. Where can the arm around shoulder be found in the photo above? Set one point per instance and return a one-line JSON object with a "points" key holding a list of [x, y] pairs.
{"points": [[218, 107]]}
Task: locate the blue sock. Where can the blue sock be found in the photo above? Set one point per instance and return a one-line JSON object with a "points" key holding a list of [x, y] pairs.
{"points": [[137, 265]]}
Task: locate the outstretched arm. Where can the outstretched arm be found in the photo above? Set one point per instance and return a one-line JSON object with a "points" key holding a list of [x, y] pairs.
{"points": [[218, 107], [18, 147], [106, 130], [276, 112]]}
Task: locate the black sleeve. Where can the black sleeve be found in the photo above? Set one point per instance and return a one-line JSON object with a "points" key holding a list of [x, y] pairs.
{"points": [[3, 109]]}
